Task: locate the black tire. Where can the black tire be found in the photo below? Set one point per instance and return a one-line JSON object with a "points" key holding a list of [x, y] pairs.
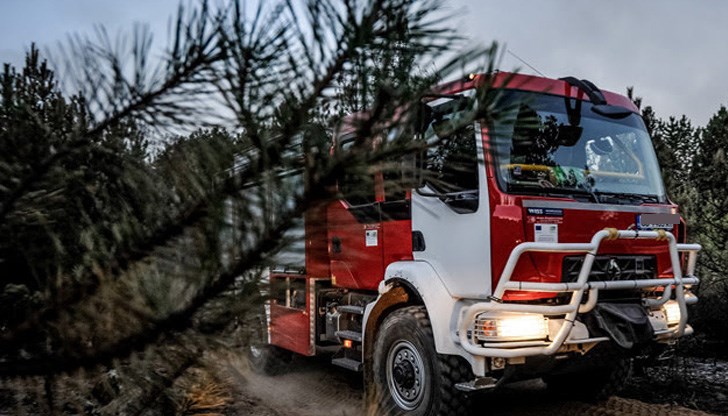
{"points": [[593, 384], [265, 358], [409, 377]]}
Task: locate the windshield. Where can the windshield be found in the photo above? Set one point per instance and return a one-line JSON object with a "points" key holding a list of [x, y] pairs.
{"points": [[552, 145]]}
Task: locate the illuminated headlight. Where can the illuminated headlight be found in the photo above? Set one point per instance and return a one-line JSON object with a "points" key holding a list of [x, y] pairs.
{"points": [[510, 327], [672, 312]]}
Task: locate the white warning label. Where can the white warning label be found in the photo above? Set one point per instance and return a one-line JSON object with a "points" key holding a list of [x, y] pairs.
{"points": [[546, 233], [371, 238]]}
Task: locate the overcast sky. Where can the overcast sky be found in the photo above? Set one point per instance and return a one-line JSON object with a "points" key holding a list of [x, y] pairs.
{"points": [[674, 52]]}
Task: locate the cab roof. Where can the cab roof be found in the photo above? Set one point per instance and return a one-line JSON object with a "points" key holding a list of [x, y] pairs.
{"points": [[523, 82]]}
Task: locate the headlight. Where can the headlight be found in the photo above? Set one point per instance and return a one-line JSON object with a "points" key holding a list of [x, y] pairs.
{"points": [[672, 312], [510, 327]]}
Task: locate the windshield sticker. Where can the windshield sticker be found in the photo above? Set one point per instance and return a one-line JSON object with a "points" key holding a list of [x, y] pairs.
{"points": [[546, 212], [546, 233]]}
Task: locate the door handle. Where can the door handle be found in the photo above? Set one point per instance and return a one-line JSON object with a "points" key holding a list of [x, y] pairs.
{"points": [[336, 245]]}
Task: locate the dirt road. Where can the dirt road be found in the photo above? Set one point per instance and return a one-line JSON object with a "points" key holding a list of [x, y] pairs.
{"points": [[313, 388]]}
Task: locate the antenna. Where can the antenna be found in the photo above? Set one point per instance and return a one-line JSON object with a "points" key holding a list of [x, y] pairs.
{"points": [[525, 63]]}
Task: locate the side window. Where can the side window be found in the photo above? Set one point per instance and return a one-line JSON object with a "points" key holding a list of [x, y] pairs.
{"points": [[397, 171], [398, 174], [357, 187], [451, 164]]}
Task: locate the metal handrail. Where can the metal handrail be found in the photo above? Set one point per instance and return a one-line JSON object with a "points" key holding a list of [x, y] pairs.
{"points": [[577, 289]]}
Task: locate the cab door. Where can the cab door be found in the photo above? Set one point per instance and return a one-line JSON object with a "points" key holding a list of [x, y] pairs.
{"points": [[451, 211]]}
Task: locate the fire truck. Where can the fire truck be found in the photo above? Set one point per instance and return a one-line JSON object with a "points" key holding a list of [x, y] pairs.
{"points": [[538, 244]]}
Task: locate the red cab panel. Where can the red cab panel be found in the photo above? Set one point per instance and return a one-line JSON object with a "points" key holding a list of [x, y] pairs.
{"points": [[355, 245], [291, 312]]}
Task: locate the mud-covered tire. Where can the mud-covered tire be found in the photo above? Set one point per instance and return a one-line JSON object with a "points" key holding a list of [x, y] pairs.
{"points": [[265, 358], [595, 384], [409, 377]]}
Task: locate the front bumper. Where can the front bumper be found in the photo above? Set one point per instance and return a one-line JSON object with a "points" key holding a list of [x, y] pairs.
{"points": [[564, 331]]}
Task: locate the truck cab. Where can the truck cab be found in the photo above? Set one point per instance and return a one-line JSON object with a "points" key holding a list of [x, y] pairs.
{"points": [[535, 242]]}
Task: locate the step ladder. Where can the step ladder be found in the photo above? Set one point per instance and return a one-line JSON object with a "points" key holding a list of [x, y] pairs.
{"points": [[350, 358]]}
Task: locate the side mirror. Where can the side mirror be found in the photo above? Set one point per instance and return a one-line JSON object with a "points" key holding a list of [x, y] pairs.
{"points": [[463, 202]]}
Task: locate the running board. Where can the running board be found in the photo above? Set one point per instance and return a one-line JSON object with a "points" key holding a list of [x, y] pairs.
{"points": [[348, 363], [352, 335], [480, 383]]}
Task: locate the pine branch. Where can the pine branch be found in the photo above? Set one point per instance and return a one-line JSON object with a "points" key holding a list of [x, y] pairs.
{"points": [[184, 72]]}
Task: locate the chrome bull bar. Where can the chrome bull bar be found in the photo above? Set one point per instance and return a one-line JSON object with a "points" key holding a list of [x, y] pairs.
{"points": [[577, 289]]}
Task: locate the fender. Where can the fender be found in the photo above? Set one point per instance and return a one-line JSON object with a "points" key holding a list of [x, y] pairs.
{"points": [[412, 283]]}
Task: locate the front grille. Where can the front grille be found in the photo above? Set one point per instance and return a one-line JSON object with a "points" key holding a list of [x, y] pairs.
{"points": [[607, 268]]}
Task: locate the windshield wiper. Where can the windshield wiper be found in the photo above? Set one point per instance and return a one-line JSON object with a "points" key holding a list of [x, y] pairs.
{"points": [[573, 193], [631, 197], [588, 187]]}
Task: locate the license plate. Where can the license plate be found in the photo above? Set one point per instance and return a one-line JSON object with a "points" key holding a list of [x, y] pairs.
{"points": [[657, 221]]}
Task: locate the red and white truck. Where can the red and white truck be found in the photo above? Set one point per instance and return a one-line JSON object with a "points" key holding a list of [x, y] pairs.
{"points": [[541, 244]]}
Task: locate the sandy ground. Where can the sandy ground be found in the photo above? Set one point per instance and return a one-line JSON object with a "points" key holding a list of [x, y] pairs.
{"points": [[314, 387]]}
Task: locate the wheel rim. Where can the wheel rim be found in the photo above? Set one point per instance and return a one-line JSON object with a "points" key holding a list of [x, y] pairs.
{"points": [[405, 375]]}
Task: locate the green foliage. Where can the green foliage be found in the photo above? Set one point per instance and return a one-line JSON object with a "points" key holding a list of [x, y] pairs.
{"points": [[711, 175], [675, 142], [711, 209], [695, 172], [70, 211]]}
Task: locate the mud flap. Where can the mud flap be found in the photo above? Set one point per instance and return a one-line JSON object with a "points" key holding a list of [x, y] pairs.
{"points": [[626, 324]]}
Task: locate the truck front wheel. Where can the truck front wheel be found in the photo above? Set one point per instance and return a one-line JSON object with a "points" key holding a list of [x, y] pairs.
{"points": [[409, 376]]}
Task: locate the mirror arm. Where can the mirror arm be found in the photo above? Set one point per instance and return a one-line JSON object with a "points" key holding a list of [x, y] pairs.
{"points": [[430, 194], [445, 194]]}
